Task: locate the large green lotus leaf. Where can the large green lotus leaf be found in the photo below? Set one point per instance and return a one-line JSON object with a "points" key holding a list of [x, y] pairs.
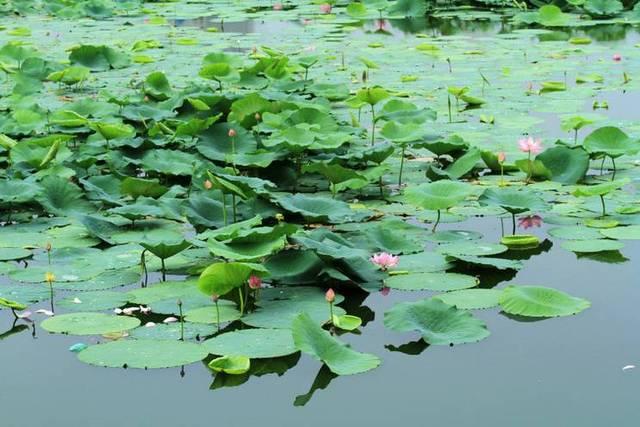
{"points": [[215, 144], [67, 272], [143, 354], [24, 293], [599, 189], [253, 343], [425, 262], [12, 191], [567, 165], [100, 58], [294, 267], [163, 291], [190, 301], [372, 95], [174, 331], [318, 209], [394, 236], [169, 162], [631, 232], [209, 315], [538, 301], [88, 323], [108, 280], [431, 282], [93, 301], [462, 166], [61, 197], [473, 248], [439, 323], [403, 133], [611, 141], [7, 254], [575, 232], [513, 200], [137, 187], [471, 299], [603, 8], [592, 246], [279, 306], [318, 343], [165, 249], [438, 195]]}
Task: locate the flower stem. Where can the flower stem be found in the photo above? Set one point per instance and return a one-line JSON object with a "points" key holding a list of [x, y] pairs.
{"points": [[181, 323], [241, 301], [513, 222], [604, 209], [331, 312], [224, 208], [433, 230], [218, 315], [373, 125], [401, 166]]}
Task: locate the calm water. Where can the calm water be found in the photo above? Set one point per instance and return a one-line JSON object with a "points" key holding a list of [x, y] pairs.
{"points": [[555, 372]]}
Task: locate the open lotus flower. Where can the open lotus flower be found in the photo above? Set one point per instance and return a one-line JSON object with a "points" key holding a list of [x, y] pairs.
{"points": [[530, 145], [385, 291], [170, 320], [385, 260], [530, 221]]}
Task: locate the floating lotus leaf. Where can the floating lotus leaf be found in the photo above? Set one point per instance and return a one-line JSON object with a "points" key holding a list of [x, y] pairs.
{"points": [[252, 343], [318, 343], [471, 299], [431, 281], [174, 331], [209, 315], [89, 324], [439, 323], [471, 249], [142, 354], [93, 301], [610, 141], [631, 232], [538, 301], [575, 232], [232, 365], [590, 246], [7, 254]]}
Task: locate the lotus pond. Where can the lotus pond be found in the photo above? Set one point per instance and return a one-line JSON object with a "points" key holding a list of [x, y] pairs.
{"points": [[319, 212]]}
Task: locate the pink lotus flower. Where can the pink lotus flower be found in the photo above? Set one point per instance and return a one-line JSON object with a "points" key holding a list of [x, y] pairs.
{"points": [[385, 291], [530, 145], [617, 57], [384, 260], [502, 157], [232, 133], [381, 24], [325, 8], [278, 6], [530, 221], [255, 282], [330, 296]]}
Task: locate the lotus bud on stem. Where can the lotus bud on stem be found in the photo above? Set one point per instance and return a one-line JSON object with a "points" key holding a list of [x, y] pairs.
{"points": [[330, 296]]}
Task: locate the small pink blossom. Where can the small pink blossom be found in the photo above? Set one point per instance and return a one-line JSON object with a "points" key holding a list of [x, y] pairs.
{"points": [[385, 291], [617, 57], [530, 145], [502, 157], [325, 8], [330, 296], [232, 133], [384, 260], [530, 221], [381, 24], [255, 282], [278, 6]]}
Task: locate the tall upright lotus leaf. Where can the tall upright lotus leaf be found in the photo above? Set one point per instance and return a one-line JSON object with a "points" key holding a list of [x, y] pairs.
{"points": [[166, 248], [220, 67], [136, 187], [438, 195], [317, 208], [100, 58], [600, 190], [603, 8], [567, 165], [157, 86], [252, 244], [462, 166], [439, 323], [61, 197], [552, 16], [337, 174], [405, 112], [408, 8], [611, 141], [318, 343], [454, 145], [110, 131], [15, 191], [402, 133], [71, 75], [222, 277]]}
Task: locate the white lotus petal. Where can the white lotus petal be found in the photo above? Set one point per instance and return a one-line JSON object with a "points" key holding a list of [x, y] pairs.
{"points": [[76, 301], [45, 312], [145, 310], [129, 311], [170, 320], [117, 310], [627, 367], [24, 315], [149, 325]]}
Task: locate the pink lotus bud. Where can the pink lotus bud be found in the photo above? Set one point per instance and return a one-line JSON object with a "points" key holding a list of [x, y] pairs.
{"points": [[278, 6], [232, 133], [617, 57], [330, 296], [255, 282], [208, 185], [501, 157], [325, 8]]}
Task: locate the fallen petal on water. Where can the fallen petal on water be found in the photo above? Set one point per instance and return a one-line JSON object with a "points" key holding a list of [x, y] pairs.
{"points": [[45, 312], [627, 367], [170, 320]]}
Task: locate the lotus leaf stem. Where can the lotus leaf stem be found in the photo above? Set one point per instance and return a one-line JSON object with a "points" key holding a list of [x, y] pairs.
{"points": [[435, 225], [241, 301], [373, 125], [604, 208], [401, 165]]}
